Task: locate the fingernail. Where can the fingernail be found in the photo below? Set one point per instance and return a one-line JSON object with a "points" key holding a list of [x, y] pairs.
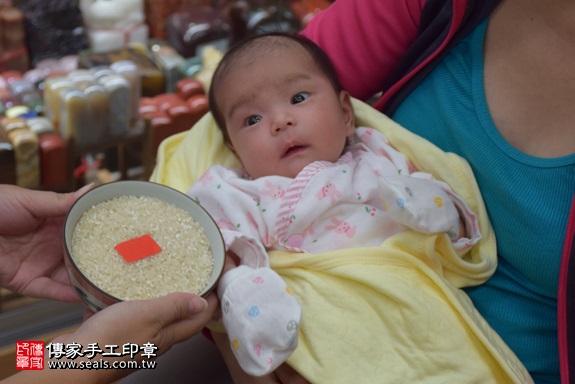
{"points": [[84, 189]]}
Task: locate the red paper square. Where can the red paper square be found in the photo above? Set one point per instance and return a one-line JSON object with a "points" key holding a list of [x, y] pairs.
{"points": [[138, 248]]}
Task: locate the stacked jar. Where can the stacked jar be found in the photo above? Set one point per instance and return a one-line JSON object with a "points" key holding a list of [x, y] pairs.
{"points": [[171, 113], [26, 154], [93, 105]]}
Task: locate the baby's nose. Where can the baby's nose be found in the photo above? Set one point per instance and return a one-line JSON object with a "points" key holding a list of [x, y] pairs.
{"points": [[283, 121]]}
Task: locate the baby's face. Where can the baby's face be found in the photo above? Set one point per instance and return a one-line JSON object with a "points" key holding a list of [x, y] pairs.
{"points": [[282, 113]]}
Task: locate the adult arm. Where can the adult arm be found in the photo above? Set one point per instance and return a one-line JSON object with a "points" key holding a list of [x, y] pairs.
{"points": [[365, 39]]}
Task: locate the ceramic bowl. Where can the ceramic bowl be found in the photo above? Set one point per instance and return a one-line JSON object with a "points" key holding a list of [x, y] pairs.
{"points": [[93, 296]]}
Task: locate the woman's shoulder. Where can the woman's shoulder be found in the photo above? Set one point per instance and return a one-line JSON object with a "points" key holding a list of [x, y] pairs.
{"points": [[363, 52]]}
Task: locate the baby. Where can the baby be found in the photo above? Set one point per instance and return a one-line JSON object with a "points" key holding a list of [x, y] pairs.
{"points": [[310, 181]]}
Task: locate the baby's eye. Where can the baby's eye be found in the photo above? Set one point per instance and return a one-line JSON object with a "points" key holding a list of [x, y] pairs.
{"points": [[298, 98], [253, 119]]}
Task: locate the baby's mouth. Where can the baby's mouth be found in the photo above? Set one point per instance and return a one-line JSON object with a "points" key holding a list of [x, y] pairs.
{"points": [[293, 150]]}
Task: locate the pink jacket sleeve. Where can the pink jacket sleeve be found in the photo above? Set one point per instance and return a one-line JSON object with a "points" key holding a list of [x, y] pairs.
{"points": [[365, 39]]}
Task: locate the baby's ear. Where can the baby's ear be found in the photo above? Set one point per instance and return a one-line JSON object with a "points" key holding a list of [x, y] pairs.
{"points": [[348, 113]]}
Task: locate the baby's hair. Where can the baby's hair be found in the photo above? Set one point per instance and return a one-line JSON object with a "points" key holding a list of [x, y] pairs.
{"points": [[247, 51]]}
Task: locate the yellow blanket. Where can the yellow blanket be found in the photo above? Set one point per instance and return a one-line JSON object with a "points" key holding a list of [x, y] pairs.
{"points": [[388, 314]]}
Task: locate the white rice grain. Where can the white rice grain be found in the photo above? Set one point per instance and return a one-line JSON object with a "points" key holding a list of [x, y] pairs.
{"points": [[184, 264]]}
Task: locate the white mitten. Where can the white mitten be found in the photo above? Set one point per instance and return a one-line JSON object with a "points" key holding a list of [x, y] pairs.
{"points": [[261, 317], [419, 204]]}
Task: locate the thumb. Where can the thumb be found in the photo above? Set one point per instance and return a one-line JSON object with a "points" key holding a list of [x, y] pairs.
{"points": [[183, 315], [52, 204], [178, 306], [70, 198]]}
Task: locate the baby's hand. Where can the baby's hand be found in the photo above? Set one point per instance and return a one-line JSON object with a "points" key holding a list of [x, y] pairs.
{"points": [[420, 204]]}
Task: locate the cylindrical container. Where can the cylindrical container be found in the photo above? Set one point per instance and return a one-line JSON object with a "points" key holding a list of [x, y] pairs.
{"points": [[107, 39], [7, 160], [182, 117], [53, 154], [189, 87], [171, 63], [10, 123], [16, 111], [79, 73], [53, 162], [73, 113], [129, 70], [119, 95], [101, 71], [147, 107], [25, 143], [165, 100], [40, 125], [161, 125], [52, 99], [98, 103], [112, 25], [82, 78], [199, 105]]}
